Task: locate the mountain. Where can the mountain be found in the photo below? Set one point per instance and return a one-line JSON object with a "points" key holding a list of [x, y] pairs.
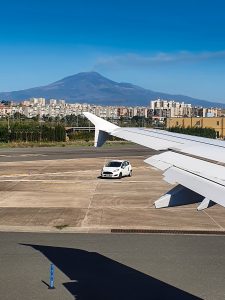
{"points": [[93, 88]]}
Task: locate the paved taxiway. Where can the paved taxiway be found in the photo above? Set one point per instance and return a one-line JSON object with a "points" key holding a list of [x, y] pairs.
{"points": [[43, 188], [55, 153], [112, 267]]}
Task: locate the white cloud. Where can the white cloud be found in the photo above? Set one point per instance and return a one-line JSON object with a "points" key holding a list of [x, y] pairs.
{"points": [[117, 61]]}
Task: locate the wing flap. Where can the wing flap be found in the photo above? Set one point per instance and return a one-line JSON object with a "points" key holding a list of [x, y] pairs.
{"points": [[205, 169], [209, 189]]}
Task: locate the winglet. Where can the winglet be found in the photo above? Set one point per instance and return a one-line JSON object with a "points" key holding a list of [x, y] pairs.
{"points": [[100, 123], [102, 128]]}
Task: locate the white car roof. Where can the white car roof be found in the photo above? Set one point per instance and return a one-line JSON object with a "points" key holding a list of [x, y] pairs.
{"points": [[117, 160]]}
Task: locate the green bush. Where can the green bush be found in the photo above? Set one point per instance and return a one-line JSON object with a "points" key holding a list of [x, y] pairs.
{"points": [[81, 135], [196, 131]]}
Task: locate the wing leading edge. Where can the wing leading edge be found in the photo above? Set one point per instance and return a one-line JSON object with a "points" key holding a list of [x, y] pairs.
{"points": [[196, 164]]}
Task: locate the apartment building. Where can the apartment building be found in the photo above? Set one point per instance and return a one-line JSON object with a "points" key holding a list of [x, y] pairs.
{"points": [[168, 108], [206, 112]]}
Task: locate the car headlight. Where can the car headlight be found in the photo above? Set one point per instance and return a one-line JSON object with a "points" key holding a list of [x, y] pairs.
{"points": [[116, 170]]}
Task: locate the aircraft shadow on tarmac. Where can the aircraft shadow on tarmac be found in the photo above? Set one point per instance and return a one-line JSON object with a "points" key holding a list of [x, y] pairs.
{"points": [[96, 277]]}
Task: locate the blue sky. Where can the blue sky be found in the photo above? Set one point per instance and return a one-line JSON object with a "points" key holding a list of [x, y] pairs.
{"points": [[170, 46]]}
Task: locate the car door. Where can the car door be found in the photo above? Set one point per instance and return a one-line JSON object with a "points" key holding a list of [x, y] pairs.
{"points": [[128, 167], [123, 169], [127, 170]]}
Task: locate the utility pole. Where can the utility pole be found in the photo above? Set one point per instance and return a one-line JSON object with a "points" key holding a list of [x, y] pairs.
{"points": [[9, 130]]}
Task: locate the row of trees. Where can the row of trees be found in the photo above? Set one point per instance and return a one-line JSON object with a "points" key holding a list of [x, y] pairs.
{"points": [[197, 131], [136, 121], [32, 132], [81, 121]]}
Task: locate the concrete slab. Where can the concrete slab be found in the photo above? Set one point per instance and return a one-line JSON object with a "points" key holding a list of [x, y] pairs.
{"points": [[41, 216], [173, 219]]}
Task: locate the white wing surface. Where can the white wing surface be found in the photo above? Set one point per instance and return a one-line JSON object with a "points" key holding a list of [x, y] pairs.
{"points": [[197, 164]]}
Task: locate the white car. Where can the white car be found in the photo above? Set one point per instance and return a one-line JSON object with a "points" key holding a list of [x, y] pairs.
{"points": [[116, 169]]}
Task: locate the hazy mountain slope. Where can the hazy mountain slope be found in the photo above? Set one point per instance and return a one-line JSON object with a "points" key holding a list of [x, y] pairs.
{"points": [[91, 87]]}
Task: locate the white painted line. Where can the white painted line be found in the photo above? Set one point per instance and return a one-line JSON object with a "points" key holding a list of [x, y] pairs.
{"points": [[214, 221], [23, 155], [45, 174], [46, 181], [31, 155]]}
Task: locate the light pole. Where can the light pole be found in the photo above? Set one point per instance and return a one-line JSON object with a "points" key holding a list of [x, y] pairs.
{"points": [[8, 125]]}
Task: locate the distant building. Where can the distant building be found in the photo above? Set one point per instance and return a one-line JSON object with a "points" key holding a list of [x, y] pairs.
{"points": [[62, 102], [206, 112], [217, 123], [168, 108], [53, 101], [40, 101]]}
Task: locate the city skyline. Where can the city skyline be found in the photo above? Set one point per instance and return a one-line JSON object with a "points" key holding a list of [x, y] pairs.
{"points": [[171, 47], [158, 109]]}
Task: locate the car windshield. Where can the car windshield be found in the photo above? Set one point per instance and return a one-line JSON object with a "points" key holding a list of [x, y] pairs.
{"points": [[114, 164]]}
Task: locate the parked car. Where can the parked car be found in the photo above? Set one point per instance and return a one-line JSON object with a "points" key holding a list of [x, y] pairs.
{"points": [[116, 169]]}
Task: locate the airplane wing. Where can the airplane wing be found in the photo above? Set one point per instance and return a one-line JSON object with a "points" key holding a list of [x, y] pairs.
{"points": [[196, 164]]}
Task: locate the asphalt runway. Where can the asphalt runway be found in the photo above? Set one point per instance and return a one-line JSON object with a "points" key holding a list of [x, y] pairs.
{"points": [[48, 153], [112, 267]]}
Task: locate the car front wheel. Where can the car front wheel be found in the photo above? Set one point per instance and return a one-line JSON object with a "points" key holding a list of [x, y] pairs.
{"points": [[130, 174], [120, 175]]}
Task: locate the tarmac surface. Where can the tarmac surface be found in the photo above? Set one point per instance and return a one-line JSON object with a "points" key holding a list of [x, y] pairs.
{"points": [[53, 153], [52, 189], [112, 266]]}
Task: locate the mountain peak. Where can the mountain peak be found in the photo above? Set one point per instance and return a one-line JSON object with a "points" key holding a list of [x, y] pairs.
{"points": [[91, 74]]}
